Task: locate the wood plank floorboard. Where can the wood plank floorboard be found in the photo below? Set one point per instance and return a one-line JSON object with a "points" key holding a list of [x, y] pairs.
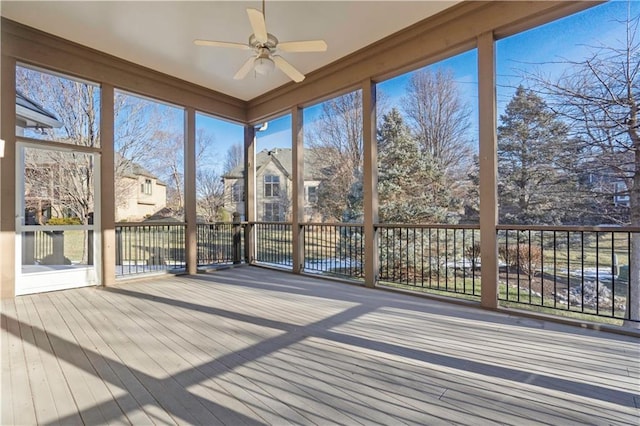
{"points": [[6, 400], [249, 346], [88, 338]]}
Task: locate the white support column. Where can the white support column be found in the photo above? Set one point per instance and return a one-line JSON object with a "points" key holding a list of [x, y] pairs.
{"points": [[107, 190], [370, 183], [191, 243], [297, 216], [488, 170]]}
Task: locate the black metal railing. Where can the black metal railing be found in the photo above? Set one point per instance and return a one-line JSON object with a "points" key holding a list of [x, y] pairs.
{"points": [[435, 257], [273, 245], [582, 270], [143, 248], [220, 243], [575, 269], [334, 249]]}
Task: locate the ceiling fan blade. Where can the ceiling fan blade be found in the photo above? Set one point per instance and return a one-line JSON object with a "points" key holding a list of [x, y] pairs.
{"points": [[288, 69], [303, 46], [257, 24], [244, 69], [221, 44]]}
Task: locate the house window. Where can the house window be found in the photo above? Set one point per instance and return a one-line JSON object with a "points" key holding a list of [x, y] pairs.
{"points": [[271, 212], [271, 186], [312, 194], [145, 188], [237, 193], [621, 197]]}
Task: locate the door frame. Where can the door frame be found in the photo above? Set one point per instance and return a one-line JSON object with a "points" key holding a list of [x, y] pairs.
{"points": [[49, 279]]}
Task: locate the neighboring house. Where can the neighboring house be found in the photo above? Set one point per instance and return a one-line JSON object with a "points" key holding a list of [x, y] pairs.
{"points": [[139, 194], [38, 199], [610, 199], [604, 182], [274, 174]]}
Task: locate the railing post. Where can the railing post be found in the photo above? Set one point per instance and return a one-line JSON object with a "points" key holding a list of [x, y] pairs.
{"points": [[249, 249], [57, 255], [119, 247], [488, 171], [237, 239], [29, 247]]}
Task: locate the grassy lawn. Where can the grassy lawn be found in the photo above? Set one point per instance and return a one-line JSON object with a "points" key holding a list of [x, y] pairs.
{"points": [[589, 249]]}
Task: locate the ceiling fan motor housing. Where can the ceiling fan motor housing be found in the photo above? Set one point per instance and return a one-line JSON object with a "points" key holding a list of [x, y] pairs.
{"points": [[270, 44]]}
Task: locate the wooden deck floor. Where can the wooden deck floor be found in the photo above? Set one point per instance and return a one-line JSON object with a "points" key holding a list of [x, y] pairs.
{"points": [[252, 346]]}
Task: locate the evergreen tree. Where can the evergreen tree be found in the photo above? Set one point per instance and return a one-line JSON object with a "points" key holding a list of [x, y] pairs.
{"points": [[536, 182], [411, 187]]}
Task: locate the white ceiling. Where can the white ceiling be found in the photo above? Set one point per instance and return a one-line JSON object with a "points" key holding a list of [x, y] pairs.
{"points": [[160, 34]]}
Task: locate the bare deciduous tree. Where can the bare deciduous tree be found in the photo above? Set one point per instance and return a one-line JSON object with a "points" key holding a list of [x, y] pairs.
{"points": [[234, 157], [599, 97], [210, 196], [439, 119], [335, 144]]}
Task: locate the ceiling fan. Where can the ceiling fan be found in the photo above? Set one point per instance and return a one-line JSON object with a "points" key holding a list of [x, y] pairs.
{"points": [[265, 47]]}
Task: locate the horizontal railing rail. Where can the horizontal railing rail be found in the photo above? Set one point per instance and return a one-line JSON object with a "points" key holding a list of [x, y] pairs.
{"points": [[569, 228], [149, 247], [427, 226], [443, 258], [576, 269], [155, 223], [334, 249]]}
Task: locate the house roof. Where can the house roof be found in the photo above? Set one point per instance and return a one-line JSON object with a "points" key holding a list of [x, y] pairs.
{"points": [[31, 114], [132, 169], [283, 158]]}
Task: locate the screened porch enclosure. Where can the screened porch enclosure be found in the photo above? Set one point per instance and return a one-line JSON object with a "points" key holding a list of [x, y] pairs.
{"points": [[372, 245], [299, 207]]}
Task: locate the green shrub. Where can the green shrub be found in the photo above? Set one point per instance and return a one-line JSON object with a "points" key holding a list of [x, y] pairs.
{"points": [[64, 221]]}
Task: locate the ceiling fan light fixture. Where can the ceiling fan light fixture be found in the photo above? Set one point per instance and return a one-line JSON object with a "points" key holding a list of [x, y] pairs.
{"points": [[266, 46], [263, 65]]}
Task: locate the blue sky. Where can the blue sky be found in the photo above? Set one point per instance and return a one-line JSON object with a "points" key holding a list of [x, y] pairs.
{"points": [[540, 48]]}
